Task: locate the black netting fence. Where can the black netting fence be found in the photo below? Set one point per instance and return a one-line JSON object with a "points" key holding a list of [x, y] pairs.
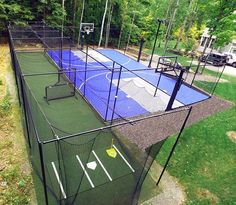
{"points": [[102, 166], [206, 77], [77, 157]]}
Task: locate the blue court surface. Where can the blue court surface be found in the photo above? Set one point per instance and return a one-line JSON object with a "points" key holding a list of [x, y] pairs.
{"points": [[98, 82]]}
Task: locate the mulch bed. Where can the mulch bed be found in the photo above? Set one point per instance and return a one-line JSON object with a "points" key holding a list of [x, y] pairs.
{"points": [[157, 127]]}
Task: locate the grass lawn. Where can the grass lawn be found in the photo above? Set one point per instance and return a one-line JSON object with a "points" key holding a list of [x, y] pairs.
{"points": [[16, 186], [184, 60], [204, 161]]}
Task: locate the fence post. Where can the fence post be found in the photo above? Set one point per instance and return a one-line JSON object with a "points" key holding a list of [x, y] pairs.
{"points": [[43, 171], [174, 146], [116, 95]]}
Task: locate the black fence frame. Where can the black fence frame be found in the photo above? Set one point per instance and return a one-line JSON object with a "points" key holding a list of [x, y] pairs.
{"points": [[29, 122]]}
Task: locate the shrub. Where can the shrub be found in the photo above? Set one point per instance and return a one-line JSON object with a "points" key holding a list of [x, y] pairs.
{"points": [[189, 45], [5, 104]]}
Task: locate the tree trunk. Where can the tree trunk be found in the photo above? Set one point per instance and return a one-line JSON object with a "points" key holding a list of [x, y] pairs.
{"points": [[163, 36], [102, 26], [74, 12], [184, 25], [108, 25], [167, 16], [170, 25], [120, 35], [168, 9], [81, 20], [62, 22], [192, 18], [74, 19], [127, 45]]}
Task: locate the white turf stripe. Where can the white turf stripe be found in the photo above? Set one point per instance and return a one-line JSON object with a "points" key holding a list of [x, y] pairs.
{"points": [[104, 169], [58, 179], [123, 158], [86, 173]]}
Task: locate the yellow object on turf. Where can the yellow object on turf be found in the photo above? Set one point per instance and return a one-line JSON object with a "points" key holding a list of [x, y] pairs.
{"points": [[111, 151]]}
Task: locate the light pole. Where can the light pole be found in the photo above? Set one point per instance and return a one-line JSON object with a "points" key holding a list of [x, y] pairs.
{"points": [[159, 21]]}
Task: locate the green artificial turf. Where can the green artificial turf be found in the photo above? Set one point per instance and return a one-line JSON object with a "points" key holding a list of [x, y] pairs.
{"points": [[69, 116], [204, 160]]}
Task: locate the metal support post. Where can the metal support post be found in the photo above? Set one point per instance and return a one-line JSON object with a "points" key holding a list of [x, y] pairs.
{"points": [[142, 41], [109, 95], [116, 96], [174, 146], [175, 90]]}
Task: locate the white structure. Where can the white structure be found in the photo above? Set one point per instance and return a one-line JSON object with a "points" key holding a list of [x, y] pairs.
{"points": [[230, 48], [206, 40]]}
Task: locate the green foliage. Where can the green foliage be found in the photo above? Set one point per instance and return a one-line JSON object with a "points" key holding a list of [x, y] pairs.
{"points": [[1, 82], [14, 11], [195, 32], [220, 18], [226, 31], [189, 44], [5, 105], [19, 186], [216, 14]]}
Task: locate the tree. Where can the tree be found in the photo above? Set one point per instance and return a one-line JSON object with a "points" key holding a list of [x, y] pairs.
{"points": [[220, 17], [16, 12], [130, 32], [171, 24], [109, 24], [102, 25], [51, 12], [184, 23], [81, 18]]}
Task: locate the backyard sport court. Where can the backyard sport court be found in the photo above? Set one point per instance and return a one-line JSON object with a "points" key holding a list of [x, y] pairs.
{"points": [[73, 100], [135, 94]]}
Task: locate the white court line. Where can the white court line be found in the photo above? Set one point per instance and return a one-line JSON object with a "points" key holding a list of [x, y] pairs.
{"points": [[86, 173], [123, 158], [126, 62], [104, 169], [78, 65], [58, 179], [94, 76]]}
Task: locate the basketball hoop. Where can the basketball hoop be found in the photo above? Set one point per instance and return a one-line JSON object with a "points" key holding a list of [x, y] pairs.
{"points": [[86, 28]]}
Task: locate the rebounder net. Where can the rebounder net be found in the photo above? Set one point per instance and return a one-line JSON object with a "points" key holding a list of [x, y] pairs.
{"points": [[63, 88]]}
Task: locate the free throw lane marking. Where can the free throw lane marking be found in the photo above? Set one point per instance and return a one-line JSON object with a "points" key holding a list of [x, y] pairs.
{"points": [[85, 172], [104, 169], [58, 179], [123, 158]]}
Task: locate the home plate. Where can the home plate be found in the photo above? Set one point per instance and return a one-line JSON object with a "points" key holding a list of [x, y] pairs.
{"points": [[92, 165]]}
